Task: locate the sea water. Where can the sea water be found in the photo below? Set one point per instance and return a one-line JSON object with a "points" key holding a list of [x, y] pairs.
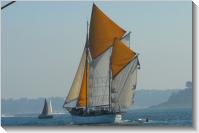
{"points": [[161, 117]]}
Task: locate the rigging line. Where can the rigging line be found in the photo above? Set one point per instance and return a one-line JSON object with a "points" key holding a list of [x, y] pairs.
{"points": [[7, 4]]}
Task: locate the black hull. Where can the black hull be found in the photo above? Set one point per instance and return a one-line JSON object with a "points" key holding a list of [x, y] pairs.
{"points": [[45, 116]]}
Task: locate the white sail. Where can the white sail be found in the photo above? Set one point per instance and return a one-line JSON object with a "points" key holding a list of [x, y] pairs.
{"points": [[49, 108], [99, 80], [76, 85], [126, 39], [127, 94], [123, 86]]}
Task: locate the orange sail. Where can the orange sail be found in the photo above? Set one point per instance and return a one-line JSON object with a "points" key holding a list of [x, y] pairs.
{"points": [[121, 56], [83, 98], [102, 32]]}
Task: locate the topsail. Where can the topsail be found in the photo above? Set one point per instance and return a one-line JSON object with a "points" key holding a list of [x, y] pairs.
{"points": [[102, 32]]}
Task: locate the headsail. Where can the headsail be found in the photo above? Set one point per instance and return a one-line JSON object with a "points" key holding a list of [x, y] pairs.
{"points": [[77, 82], [102, 32]]}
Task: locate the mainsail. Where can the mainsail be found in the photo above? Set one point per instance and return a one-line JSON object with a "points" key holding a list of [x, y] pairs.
{"points": [[123, 86], [107, 73], [122, 65], [99, 81]]}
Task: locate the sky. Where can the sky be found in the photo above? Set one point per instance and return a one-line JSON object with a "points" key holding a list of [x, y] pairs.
{"points": [[42, 43]]}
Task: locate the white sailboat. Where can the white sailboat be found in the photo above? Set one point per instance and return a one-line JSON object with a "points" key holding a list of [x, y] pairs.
{"points": [[104, 84], [47, 111]]}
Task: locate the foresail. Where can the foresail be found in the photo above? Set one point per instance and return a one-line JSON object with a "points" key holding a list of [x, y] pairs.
{"points": [[102, 32], [99, 79], [123, 86], [77, 82]]}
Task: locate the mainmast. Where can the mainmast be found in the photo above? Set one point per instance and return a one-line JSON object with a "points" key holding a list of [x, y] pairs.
{"points": [[87, 67]]}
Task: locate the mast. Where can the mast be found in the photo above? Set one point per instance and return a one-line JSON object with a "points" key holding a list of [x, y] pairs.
{"points": [[87, 67], [110, 77], [129, 40]]}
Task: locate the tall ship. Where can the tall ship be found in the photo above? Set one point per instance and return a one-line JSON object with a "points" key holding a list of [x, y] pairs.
{"points": [[104, 84]]}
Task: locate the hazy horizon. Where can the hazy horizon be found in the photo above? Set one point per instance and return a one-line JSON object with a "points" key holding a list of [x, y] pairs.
{"points": [[42, 43]]}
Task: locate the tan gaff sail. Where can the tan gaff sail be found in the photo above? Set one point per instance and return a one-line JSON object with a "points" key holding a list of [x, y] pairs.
{"points": [[121, 56], [102, 32], [77, 82]]}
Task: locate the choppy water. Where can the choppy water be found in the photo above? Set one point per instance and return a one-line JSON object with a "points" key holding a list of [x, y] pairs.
{"points": [[174, 117]]}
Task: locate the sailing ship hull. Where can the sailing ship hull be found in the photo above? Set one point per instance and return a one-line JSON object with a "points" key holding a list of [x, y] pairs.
{"points": [[94, 119], [45, 116]]}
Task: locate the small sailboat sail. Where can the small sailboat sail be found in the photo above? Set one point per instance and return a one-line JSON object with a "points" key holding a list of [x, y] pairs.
{"points": [[106, 78], [50, 108], [47, 111]]}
